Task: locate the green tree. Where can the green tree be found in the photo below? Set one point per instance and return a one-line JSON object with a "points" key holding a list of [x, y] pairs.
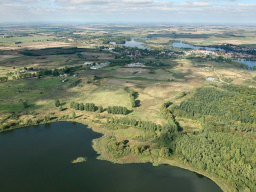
{"points": [[100, 109], [72, 104], [57, 103], [25, 104], [81, 107], [73, 115]]}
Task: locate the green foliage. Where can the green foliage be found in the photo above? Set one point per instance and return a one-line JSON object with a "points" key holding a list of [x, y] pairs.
{"points": [[164, 152], [77, 82], [139, 150], [83, 107], [224, 155], [132, 97], [57, 103], [116, 148], [232, 108], [144, 125], [47, 118], [100, 109], [25, 104], [117, 110], [219, 148], [73, 115], [3, 79], [60, 108]]}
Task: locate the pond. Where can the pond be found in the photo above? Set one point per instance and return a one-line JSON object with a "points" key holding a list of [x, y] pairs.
{"points": [[134, 43], [250, 64], [39, 159], [182, 45]]}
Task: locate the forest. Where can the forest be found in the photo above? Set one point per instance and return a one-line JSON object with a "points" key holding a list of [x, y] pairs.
{"points": [[225, 147]]}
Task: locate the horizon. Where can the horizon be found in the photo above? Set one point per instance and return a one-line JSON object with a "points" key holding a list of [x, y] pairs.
{"points": [[133, 11]]}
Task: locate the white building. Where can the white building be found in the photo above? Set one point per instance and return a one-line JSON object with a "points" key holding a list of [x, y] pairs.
{"points": [[135, 65], [88, 63]]}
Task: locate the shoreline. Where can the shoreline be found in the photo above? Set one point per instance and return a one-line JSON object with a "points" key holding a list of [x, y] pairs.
{"points": [[170, 161]]}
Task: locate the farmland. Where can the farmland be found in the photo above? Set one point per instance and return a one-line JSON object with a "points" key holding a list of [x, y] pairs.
{"points": [[157, 106]]}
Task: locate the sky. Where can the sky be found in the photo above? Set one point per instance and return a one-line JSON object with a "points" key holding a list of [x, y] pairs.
{"points": [[129, 11]]}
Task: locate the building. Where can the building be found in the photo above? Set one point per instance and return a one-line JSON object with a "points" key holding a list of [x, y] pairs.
{"points": [[88, 63], [135, 65], [210, 78]]}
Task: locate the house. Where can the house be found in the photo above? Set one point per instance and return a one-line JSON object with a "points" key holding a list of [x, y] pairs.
{"points": [[96, 67], [88, 63], [135, 65], [210, 78]]}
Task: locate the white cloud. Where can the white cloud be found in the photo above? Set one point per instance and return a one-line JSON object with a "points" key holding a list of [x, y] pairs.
{"points": [[126, 10]]}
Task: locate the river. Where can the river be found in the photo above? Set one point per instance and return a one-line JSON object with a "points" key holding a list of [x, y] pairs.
{"points": [[38, 159]]}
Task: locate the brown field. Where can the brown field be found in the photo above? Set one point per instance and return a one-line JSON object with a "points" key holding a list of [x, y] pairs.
{"points": [[37, 46]]}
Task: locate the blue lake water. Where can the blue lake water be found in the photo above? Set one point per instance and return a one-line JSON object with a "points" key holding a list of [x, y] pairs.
{"points": [[38, 159], [250, 64], [188, 46], [134, 43]]}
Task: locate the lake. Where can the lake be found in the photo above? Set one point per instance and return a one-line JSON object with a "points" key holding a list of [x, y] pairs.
{"points": [[250, 64], [38, 159], [188, 46], [134, 43]]}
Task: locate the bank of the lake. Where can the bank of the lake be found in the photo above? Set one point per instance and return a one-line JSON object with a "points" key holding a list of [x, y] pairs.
{"points": [[184, 45], [64, 134]]}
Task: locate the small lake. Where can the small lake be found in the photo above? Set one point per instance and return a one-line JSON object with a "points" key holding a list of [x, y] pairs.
{"points": [[250, 64], [38, 159], [134, 43], [188, 46]]}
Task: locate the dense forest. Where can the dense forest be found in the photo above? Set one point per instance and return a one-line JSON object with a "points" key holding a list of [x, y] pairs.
{"points": [[226, 146]]}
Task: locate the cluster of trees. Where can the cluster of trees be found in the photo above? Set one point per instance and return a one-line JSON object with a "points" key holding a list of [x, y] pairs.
{"points": [[77, 82], [117, 40], [57, 103], [3, 79], [217, 149], [57, 72], [47, 118], [224, 109], [24, 76], [139, 150], [145, 125], [132, 98], [224, 155], [84, 107], [117, 110], [116, 148], [154, 63], [170, 118], [121, 148]]}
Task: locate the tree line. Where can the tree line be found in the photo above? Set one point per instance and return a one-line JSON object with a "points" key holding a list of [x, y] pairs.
{"points": [[93, 108]]}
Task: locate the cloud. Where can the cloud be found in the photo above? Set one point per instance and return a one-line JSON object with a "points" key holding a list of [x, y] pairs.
{"points": [[127, 10], [194, 4]]}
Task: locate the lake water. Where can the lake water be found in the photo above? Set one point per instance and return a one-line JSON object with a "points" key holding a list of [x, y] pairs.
{"points": [[134, 43], [38, 159], [188, 46], [250, 64]]}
